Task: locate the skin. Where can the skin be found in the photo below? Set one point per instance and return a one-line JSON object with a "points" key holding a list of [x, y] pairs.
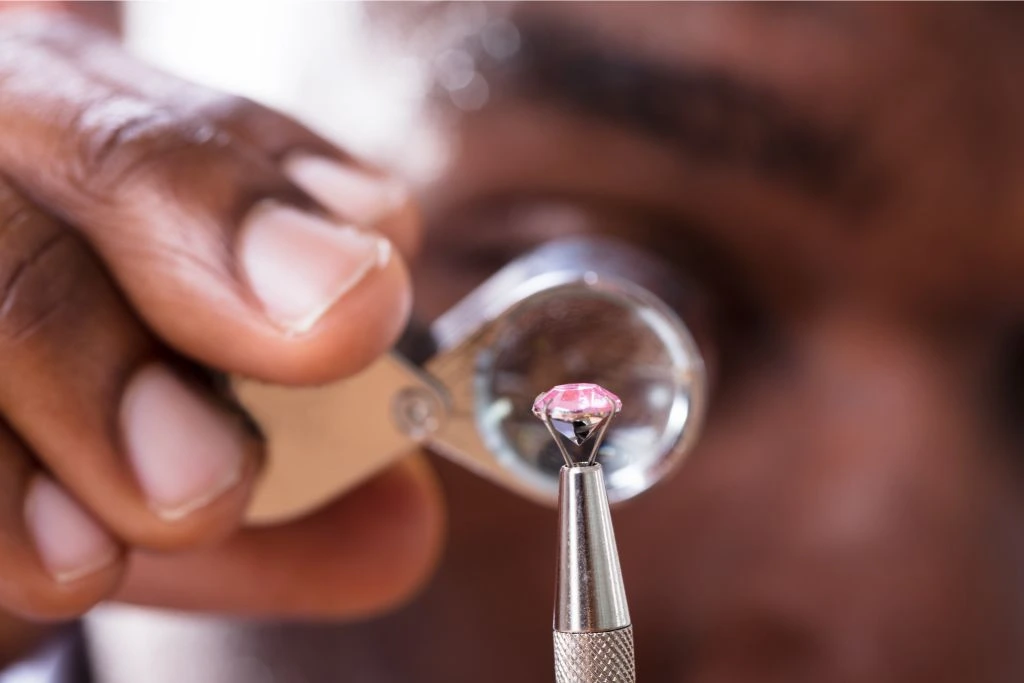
{"points": [[100, 248], [853, 510]]}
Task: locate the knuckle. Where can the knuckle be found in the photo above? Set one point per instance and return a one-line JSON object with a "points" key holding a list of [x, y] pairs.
{"points": [[266, 129], [227, 109], [119, 138], [41, 267]]}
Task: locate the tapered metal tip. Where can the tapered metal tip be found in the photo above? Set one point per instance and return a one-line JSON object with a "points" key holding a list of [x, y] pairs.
{"points": [[590, 595]]}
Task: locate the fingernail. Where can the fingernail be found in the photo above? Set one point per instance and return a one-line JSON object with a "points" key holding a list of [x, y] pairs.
{"points": [[299, 264], [186, 451], [70, 543], [346, 191]]}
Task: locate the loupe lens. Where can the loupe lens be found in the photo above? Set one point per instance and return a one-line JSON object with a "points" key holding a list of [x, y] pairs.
{"points": [[609, 332]]}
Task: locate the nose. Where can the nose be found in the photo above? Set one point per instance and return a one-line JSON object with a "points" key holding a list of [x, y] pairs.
{"points": [[844, 508]]}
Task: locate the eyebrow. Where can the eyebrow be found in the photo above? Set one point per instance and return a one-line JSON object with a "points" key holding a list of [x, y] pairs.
{"points": [[707, 115]]}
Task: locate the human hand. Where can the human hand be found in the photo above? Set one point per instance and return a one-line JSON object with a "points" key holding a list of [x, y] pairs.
{"points": [[150, 231]]}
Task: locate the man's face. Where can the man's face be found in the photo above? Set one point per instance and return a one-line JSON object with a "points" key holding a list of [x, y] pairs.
{"points": [[841, 184]]}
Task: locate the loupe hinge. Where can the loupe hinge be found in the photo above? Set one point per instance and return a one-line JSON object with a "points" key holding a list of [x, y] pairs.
{"points": [[419, 411]]}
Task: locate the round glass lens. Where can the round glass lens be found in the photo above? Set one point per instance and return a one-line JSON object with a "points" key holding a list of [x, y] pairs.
{"points": [[610, 333]]}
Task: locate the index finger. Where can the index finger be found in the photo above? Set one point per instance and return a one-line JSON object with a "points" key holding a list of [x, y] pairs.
{"points": [[206, 231]]}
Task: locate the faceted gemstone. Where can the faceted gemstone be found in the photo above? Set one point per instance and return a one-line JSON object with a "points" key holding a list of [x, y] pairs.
{"points": [[577, 410]]}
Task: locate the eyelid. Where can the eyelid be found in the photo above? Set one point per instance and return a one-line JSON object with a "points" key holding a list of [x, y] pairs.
{"points": [[511, 225], [516, 221], [494, 231]]}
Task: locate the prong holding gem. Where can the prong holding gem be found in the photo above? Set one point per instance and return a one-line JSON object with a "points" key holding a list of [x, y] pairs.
{"points": [[577, 412]]}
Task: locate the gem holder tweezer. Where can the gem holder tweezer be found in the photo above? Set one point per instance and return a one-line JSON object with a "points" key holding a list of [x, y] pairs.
{"points": [[593, 635]]}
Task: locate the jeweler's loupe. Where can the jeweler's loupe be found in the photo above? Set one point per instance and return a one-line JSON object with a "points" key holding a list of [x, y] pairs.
{"points": [[580, 310]]}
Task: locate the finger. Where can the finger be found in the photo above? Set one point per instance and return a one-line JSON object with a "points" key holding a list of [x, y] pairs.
{"points": [[360, 194], [219, 250], [57, 559], [360, 555], [350, 188], [130, 430]]}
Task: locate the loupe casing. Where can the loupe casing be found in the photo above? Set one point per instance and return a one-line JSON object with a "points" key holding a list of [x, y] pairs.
{"points": [[578, 310]]}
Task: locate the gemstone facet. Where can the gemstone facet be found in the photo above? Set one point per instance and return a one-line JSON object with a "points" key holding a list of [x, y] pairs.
{"points": [[576, 411]]}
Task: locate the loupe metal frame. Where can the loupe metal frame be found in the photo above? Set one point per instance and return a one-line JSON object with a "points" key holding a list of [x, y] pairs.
{"points": [[325, 440], [687, 403]]}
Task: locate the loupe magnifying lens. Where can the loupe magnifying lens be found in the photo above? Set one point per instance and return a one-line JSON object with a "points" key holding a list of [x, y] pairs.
{"points": [[609, 332], [571, 311]]}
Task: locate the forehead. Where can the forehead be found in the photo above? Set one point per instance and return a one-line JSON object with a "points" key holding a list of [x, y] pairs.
{"points": [[922, 95]]}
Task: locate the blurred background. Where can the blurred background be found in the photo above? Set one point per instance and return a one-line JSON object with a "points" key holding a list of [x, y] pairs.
{"points": [[358, 80], [837, 185]]}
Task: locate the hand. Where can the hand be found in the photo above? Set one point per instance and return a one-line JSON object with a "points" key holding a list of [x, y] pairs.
{"points": [[151, 230]]}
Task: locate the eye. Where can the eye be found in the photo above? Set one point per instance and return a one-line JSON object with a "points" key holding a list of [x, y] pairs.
{"points": [[488, 234], [471, 244], [718, 301]]}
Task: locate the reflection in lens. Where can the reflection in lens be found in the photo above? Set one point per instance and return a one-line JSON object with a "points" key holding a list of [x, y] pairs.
{"points": [[611, 334]]}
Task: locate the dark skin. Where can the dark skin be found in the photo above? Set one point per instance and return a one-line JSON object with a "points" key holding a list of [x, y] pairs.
{"points": [[184, 187], [853, 511]]}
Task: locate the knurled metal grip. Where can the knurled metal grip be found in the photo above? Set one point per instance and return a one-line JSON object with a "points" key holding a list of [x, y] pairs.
{"points": [[603, 657], [592, 630]]}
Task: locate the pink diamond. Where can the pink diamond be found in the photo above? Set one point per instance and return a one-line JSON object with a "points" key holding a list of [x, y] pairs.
{"points": [[577, 410]]}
